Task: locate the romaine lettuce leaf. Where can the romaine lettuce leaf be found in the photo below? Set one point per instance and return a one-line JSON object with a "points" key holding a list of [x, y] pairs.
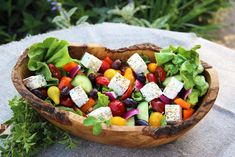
{"points": [[193, 97], [201, 84], [162, 58], [51, 50]]}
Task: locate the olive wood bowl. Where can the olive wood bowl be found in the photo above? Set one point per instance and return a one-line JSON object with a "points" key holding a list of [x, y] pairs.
{"points": [[124, 136]]}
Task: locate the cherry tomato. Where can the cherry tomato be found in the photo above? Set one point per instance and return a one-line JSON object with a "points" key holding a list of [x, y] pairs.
{"points": [[119, 121], [117, 108], [54, 71], [109, 60], [105, 65], [102, 80], [152, 67], [129, 75], [69, 66], [109, 73], [161, 74], [155, 119], [67, 102], [65, 81], [90, 103], [151, 77], [127, 94]]}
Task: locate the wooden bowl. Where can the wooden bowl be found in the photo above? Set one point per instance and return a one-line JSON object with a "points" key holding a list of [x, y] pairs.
{"points": [[125, 136]]}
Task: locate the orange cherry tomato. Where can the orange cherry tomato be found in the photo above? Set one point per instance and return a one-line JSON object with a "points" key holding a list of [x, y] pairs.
{"points": [[152, 67], [65, 81], [109, 60], [69, 66]]}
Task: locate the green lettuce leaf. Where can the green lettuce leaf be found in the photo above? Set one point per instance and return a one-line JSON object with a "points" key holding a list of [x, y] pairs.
{"points": [[51, 50], [103, 100], [201, 84], [193, 97], [171, 69], [162, 58]]}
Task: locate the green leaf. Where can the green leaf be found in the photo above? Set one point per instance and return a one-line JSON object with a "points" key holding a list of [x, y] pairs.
{"points": [[201, 84], [193, 97], [145, 58], [90, 121], [97, 129], [171, 69], [103, 100], [162, 58], [137, 96], [163, 121], [82, 20]]}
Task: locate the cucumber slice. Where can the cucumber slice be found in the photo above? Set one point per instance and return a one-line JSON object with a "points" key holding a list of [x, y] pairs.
{"points": [[130, 121], [82, 81], [144, 111]]}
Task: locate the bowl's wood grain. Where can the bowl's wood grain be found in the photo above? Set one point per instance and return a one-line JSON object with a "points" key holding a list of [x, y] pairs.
{"points": [[126, 136]]}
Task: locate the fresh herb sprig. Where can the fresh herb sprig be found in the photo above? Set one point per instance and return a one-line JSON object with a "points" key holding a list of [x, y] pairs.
{"points": [[30, 133]]}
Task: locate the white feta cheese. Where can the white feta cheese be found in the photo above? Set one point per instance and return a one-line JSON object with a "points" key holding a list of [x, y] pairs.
{"points": [[137, 63], [119, 84], [91, 62], [78, 95], [34, 82], [173, 88], [173, 113], [151, 91], [102, 114]]}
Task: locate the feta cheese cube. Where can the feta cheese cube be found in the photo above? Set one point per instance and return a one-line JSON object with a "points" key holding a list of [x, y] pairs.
{"points": [[173, 88], [34, 82], [102, 114], [91, 62], [137, 63], [173, 113], [119, 84], [151, 91], [78, 95]]}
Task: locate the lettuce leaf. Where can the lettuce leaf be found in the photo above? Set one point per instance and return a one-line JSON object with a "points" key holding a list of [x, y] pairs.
{"points": [[162, 58], [103, 100], [51, 50], [193, 97], [201, 84]]}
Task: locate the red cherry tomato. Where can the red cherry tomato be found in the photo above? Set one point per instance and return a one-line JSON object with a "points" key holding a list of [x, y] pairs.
{"points": [[161, 74], [151, 77], [117, 108], [65, 81], [67, 102], [109, 60], [54, 71], [102, 80], [127, 94], [105, 65]]}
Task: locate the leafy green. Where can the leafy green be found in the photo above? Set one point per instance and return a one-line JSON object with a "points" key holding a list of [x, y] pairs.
{"points": [[78, 111], [164, 57], [51, 50], [103, 100], [145, 58], [95, 123], [30, 133], [193, 97], [186, 65], [163, 121], [137, 96]]}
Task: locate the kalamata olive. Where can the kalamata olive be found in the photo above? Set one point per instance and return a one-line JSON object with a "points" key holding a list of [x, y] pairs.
{"points": [[54, 71], [92, 78], [41, 93], [65, 91], [140, 122], [141, 78], [116, 64], [93, 93], [158, 105], [130, 103]]}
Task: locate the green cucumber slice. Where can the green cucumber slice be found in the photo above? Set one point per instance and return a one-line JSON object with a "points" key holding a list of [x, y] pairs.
{"points": [[130, 122], [82, 81], [144, 111]]}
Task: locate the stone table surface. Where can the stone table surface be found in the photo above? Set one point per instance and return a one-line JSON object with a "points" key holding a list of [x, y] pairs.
{"points": [[213, 136]]}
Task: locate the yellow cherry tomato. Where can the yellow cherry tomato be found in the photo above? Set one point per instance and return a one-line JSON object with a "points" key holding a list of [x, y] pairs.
{"points": [[155, 119], [129, 75], [53, 92], [152, 67], [109, 73], [118, 121]]}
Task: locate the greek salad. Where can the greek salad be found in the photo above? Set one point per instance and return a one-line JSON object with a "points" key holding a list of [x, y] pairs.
{"points": [[137, 92]]}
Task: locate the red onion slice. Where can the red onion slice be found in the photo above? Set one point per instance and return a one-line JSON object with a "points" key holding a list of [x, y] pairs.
{"points": [[112, 96], [74, 71], [165, 99], [138, 85], [131, 113], [187, 92]]}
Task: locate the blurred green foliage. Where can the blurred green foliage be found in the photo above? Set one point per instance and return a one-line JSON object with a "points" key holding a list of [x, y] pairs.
{"points": [[19, 18]]}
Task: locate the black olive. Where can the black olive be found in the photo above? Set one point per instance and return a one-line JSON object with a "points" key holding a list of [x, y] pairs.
{"points": [[116, 64]]}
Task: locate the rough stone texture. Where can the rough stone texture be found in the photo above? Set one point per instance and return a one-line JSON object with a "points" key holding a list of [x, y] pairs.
{"points": [[214, 136]]}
